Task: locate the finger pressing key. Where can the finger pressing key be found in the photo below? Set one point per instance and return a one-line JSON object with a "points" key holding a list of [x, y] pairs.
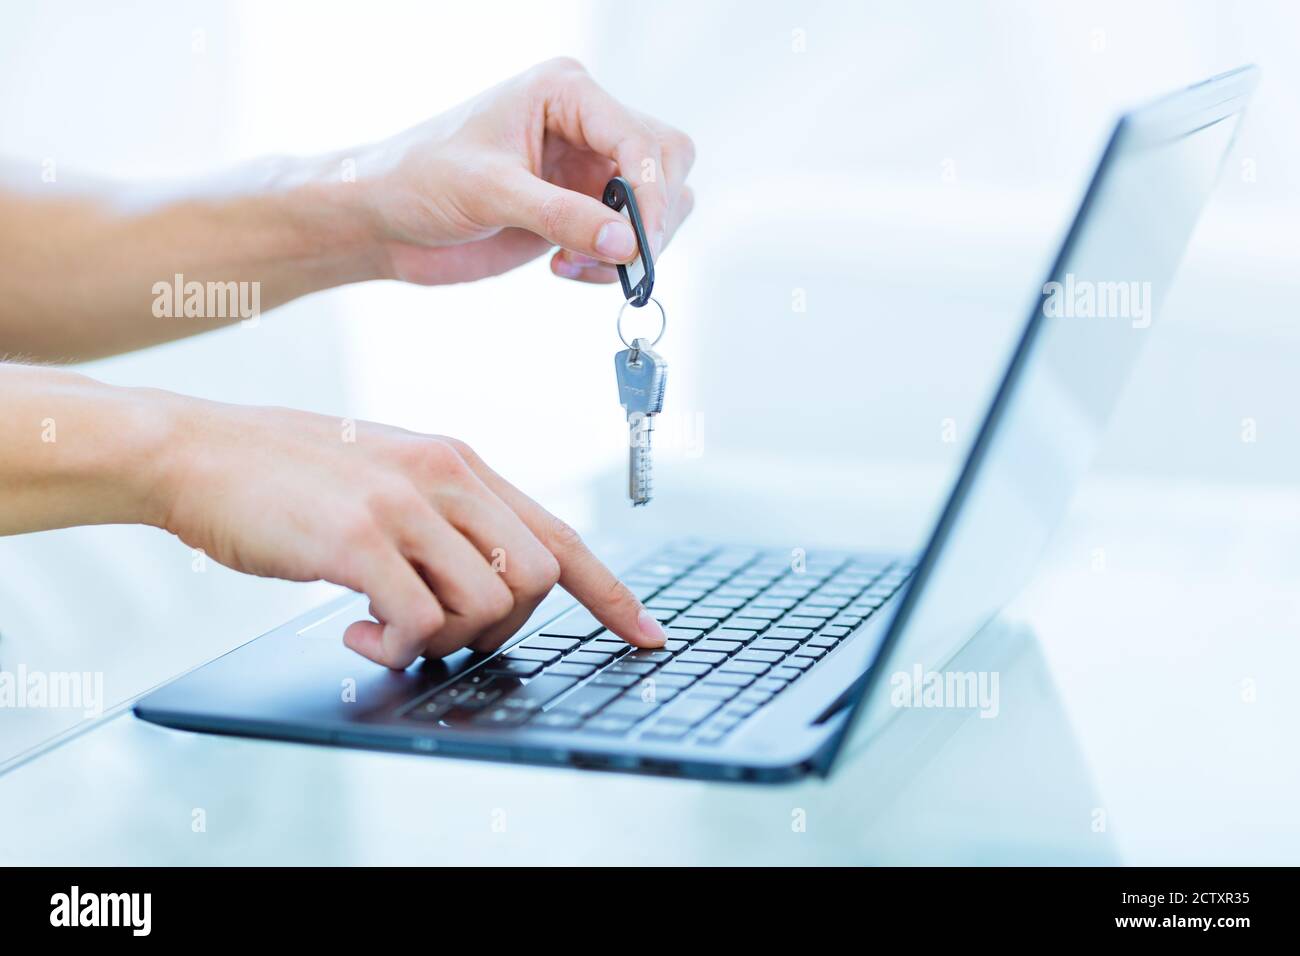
{"points": [[581, 573]]}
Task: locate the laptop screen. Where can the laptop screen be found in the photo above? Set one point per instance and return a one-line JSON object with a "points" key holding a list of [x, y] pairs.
{"points": [[1098, 308]]}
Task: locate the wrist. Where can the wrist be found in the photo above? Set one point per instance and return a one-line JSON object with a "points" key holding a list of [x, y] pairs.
{"points": [[77, 451], [329, 201], [154, 463]]}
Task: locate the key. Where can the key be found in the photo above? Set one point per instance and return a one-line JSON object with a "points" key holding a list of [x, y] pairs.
{"points": [[642, 375]]}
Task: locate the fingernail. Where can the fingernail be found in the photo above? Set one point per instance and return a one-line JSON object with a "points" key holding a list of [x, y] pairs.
{"points": [[616, 241], [650, 629], [567, 269]]}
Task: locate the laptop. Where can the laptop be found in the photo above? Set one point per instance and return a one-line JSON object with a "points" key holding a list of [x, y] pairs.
{"points": [[778, 663]]}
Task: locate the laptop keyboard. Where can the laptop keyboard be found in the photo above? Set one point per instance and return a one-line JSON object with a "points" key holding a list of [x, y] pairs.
{"points": [[742, 624]]}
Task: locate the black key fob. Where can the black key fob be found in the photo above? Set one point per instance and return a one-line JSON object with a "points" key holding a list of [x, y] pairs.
{"points": [[638, 277]]}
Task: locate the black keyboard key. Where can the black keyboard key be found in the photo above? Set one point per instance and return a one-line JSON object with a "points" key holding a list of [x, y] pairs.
{"points": [[671, 604], [690, 595], [826, 600], [688, 710], [794, 620], [532, 654], [537, 693], [768, 644], [654, 693], [650, 657], [632, 708], [815, 611], [464, 687], [588, 658], [502, 665], [733, 590], [699, 657], [788, 633], [587, 700], [577, 623], [676, 633], [686, 667], [660, 731], [626, 666], [719, 692], [727, 634], [502, 717], [785, 674], [745, 624], [611, 679], [806, 651], [727, 679], [484, 694], [556, 720], [744, 667], [429, 711], [570, 669], [643, 590], [606, 647], [800, 662], [675, 646], [676, 681], [825, 643], [560, 644], [609, 725], [720, 647], [836, 631], [695, 623]]}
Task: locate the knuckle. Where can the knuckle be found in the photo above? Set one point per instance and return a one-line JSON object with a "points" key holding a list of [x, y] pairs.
{"points": [[429, 620], [388, 503], [681, 144], [437, 458], [564, 536], [461, 448], [539, 575], [563, 65], [548, 573], [495, 602], [686, 200]]}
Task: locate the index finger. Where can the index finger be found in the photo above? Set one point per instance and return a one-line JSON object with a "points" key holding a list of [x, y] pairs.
{"points": [[581, 573]]}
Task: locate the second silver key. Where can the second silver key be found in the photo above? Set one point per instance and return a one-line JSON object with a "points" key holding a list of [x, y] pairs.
{"points": [[642, 376]]}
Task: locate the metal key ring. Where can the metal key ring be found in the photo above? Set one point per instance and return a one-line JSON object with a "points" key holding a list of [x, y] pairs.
{"points": [[663, 317]]}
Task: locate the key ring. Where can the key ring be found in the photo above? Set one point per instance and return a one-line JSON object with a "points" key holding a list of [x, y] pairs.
{"points": [[663, 318]]}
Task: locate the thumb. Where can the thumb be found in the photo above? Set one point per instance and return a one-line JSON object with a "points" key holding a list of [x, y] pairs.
{"points": [[569, 219]]}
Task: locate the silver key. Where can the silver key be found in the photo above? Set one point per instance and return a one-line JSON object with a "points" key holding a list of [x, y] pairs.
{"points": [[642, 375]]}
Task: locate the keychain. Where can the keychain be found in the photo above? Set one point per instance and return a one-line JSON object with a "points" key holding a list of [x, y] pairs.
{"points": [[642, 374]]}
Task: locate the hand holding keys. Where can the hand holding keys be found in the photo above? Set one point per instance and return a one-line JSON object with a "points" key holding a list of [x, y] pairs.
{"points": [[642, 374]]}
